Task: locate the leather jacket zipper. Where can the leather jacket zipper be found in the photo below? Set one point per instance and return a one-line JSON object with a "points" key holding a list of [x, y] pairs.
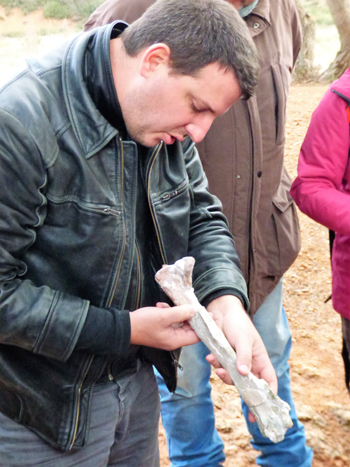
{"points": [[167, 196], [124, 243], [175, 361], [139, 278], [111, 212], [105, 210], [108, 211], [114, 212], [150, 204], [78, 402], [109, 370]]}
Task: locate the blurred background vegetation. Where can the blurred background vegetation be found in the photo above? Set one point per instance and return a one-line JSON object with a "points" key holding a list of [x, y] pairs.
{"points": [[80, 10], [319, 11], [320, 48], [77, 10]]}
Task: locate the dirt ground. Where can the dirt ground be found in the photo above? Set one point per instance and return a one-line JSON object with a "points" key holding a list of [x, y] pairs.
{"points": [[317, 374]]}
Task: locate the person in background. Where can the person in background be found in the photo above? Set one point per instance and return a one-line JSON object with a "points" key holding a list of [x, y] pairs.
{"points": [[101, 184], [322, 190], [242, 156]]}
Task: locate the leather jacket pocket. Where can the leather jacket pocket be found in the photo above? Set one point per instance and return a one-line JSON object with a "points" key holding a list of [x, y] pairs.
{"points": [[172, 218], [10, 404]]}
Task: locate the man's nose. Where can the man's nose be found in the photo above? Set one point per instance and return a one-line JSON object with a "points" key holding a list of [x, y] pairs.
{"points": [[197, 129]]}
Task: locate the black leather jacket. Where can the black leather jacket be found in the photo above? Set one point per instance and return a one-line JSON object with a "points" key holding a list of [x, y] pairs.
{"points": [[67, 232]]}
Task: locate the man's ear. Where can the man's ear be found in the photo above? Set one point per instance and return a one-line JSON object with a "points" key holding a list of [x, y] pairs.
{"points": [[154, 59]]}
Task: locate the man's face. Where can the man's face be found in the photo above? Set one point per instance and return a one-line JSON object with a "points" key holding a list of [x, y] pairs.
{"points": [[170, 106]]}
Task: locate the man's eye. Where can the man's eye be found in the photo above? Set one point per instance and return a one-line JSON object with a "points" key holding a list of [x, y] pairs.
{"points": [[195, 109]]}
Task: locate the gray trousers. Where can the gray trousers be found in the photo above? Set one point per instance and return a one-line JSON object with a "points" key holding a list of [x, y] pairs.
{"points": [[123, 430]]}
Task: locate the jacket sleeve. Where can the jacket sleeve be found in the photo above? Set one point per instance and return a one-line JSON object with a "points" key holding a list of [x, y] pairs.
{"points": [[39, 319], [210, 242], [323, 163], [29, 315]]}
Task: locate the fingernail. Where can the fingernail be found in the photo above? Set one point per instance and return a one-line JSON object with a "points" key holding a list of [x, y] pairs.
{"points": [[244, 368]]}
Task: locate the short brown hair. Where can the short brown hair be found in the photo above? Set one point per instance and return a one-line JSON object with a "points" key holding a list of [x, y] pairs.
{"points": [[198, 32]]}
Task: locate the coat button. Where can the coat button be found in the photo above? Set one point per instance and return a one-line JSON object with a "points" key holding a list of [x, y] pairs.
{"points": [[259, 174], [256, 25]]}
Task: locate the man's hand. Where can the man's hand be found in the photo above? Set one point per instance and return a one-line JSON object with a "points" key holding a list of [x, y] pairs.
{"points": [[162, 326], [229, 314]]}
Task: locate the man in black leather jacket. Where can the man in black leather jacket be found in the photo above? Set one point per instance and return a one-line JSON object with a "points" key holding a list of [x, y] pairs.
{"points": [[101, 184]]}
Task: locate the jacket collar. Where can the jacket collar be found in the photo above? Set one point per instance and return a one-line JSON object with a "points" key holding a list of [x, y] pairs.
{"points": [[259, 18], [89, 90], [262, 9]]}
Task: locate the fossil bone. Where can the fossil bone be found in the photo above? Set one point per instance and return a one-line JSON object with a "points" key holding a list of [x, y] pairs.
{"points": [[271, 413]]}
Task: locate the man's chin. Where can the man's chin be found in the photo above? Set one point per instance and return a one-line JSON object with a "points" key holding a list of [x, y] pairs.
{"points": [[148, 142], [151, 141]]}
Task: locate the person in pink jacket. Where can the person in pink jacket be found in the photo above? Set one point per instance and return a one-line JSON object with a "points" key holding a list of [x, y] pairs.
{"points": [[322, 189]]}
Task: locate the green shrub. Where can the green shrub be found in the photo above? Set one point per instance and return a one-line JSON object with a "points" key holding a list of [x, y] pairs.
{"points": [[27, 6], [13, 34], [49, 31], [79, 10], [319, 11], [56, 10]]}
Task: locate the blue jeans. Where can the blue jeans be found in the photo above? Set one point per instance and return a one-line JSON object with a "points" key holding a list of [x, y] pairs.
{"points": [[188, 415]]}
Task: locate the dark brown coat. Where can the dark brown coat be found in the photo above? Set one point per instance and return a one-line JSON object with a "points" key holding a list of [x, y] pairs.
{"points": [[243, 152]]}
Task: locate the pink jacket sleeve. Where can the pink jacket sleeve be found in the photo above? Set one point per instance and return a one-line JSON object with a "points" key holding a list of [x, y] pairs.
{"points": [[322, 188]]}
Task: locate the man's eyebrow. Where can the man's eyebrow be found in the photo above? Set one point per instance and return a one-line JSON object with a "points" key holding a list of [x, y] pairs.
{"points": [[204, 106]]}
